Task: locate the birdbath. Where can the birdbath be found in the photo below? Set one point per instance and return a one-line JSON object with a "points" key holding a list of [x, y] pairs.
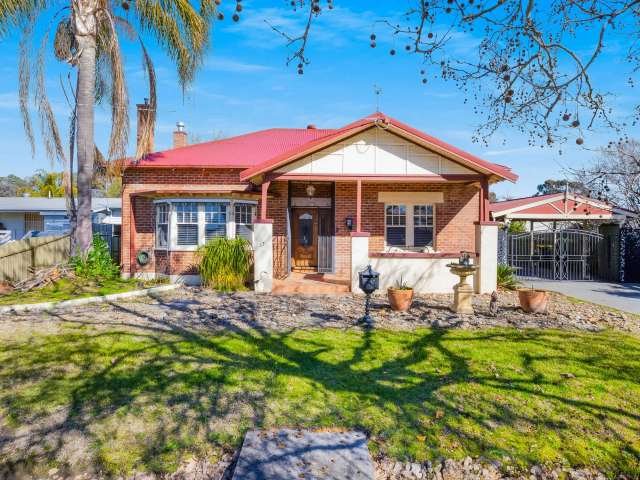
{"points": [[462, 291]]}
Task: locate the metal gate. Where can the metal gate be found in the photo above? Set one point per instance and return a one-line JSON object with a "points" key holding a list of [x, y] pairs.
{"points": [[325, 241], [557, 254]]}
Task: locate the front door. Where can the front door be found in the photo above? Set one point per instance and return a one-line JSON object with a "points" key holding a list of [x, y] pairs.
{"points": [[304, 232]]}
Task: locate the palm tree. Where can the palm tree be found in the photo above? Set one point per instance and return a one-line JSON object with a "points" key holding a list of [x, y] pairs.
{"points": [[87, 36], [45, 184]]}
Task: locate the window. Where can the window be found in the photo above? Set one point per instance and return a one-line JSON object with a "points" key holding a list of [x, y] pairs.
{"points": [[187, 223], [215, 220], [396, 225], [183, 225], [418, 232], [162, 225], [244, 220], [423, 225]]}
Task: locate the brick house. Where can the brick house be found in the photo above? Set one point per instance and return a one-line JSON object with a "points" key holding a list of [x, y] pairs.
{"points": [[316, 204]]}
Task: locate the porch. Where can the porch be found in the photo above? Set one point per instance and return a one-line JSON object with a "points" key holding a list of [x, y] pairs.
{"points": [[314, 236]]}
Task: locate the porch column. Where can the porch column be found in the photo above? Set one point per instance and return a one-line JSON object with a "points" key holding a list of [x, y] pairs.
{"points": [[359, 257], [263, 246], [263, 255], [359, 206], [263, 200], [486, 278]]}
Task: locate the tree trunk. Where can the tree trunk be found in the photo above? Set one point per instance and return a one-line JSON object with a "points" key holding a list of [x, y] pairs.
{"points": [[85, 140]]}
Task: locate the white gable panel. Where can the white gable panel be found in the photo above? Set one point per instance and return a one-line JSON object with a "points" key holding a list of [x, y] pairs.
{"points": [[391, 159], [358, 157], [454, 168], [375, 152], [428, 164], [326, 163]]}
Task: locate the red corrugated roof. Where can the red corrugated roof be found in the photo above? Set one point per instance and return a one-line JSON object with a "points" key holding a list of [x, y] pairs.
{"points": [[266, 150], [517, 202], [242, 151]]}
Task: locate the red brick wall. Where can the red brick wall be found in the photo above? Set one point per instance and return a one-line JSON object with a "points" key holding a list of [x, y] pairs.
{"points": [[277, 204], [140, 220], [455, 217]]}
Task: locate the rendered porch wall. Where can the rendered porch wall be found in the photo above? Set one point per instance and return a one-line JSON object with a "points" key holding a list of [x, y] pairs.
{"points": [[425, 275]]}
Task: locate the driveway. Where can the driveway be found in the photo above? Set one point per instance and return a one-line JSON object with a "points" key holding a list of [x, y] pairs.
{"points": [[623, 296]]}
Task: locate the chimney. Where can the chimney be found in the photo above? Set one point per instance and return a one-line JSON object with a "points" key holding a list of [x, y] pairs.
{"points": [[179, 136], [144, 126]]}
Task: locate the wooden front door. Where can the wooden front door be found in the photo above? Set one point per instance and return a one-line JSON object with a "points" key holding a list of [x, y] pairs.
{"points": [[304, 233]]}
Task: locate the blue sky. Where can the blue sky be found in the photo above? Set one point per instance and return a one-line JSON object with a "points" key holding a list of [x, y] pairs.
{"points": [[245, 85]]}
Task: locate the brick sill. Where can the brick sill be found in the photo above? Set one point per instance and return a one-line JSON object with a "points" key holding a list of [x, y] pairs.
{"points": [[455, 255]]}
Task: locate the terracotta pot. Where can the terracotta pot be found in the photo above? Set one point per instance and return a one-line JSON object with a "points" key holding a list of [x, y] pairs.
{"points": [[400, 299], [533, 301]]}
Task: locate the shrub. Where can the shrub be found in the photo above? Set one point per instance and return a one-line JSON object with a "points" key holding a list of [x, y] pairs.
{"points": [[98, 263], [225, 263], [517, 226], [507, 277]]}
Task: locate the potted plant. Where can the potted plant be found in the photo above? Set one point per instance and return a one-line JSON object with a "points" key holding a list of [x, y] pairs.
{"points": [[533, 300], [400, 296]]}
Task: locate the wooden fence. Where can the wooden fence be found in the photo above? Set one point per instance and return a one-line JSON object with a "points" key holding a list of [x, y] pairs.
{"points": [[19, 259]]}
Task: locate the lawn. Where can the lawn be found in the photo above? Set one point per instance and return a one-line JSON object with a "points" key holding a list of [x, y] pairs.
{"points": [[68, 289], [147, 399]]}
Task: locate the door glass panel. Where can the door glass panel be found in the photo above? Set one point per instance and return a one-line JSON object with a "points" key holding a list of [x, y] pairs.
{"points": [[305, 230]]}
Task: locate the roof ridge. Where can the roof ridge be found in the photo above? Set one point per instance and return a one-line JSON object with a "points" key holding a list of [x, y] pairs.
{"points": [[528, 196]]}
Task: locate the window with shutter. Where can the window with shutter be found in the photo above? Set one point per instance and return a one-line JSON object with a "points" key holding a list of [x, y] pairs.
{"points": [[187, 223], [244, 213], [423, 225], [396, 225], [162, 225], [215, 218]]}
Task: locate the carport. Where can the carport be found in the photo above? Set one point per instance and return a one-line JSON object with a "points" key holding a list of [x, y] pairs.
{"points": [[568, 237]]}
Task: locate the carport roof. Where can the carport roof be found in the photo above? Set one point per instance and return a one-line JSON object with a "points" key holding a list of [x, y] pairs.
{"points": [[558, 207]]}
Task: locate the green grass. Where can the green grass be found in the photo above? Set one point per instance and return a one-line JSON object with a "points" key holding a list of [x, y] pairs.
{"points": [[68, 289], [149, 399]]}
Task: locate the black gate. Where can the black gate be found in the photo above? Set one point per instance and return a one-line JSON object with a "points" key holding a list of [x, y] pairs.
{"points": [[558, 254], [630, 254], [325, 241]]}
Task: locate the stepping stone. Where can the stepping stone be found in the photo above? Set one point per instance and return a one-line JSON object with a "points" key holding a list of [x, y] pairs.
{"points": [[300, 454]]}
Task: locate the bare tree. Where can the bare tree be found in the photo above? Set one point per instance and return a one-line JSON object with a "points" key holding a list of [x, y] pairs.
{"points": [[529, 64], [616, 174]]}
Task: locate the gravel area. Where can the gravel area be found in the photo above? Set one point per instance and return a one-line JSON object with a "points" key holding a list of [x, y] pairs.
{"points": [[200, 309]]}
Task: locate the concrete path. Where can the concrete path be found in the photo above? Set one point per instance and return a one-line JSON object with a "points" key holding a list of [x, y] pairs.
{"points": [[623, 296], [295, 454]]}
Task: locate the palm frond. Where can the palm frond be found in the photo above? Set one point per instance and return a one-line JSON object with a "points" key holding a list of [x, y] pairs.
{"points": [[24, 80], [17, 13], [48, 125], [182, 30], [109, 51], [148, 127]]}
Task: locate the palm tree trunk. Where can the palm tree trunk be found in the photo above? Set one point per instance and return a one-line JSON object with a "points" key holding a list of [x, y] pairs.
{"points": [[85, 140]]}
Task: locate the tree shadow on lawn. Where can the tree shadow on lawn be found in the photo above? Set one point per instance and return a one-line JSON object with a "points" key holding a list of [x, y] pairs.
{"points": [[148, 392]]}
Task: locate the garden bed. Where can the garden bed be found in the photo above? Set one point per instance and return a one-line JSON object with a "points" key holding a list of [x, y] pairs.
{"points": [[75, 288]]}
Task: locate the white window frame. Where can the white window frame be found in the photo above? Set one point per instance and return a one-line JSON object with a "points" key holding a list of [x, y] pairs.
{"points": [[201, 216], [197, 223], [409, 227], [167, 223], [252, 214]]}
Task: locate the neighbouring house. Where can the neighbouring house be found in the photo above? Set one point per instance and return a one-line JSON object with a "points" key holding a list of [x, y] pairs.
{"points": [[316, 204], [20, 216], [567, 236]]}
